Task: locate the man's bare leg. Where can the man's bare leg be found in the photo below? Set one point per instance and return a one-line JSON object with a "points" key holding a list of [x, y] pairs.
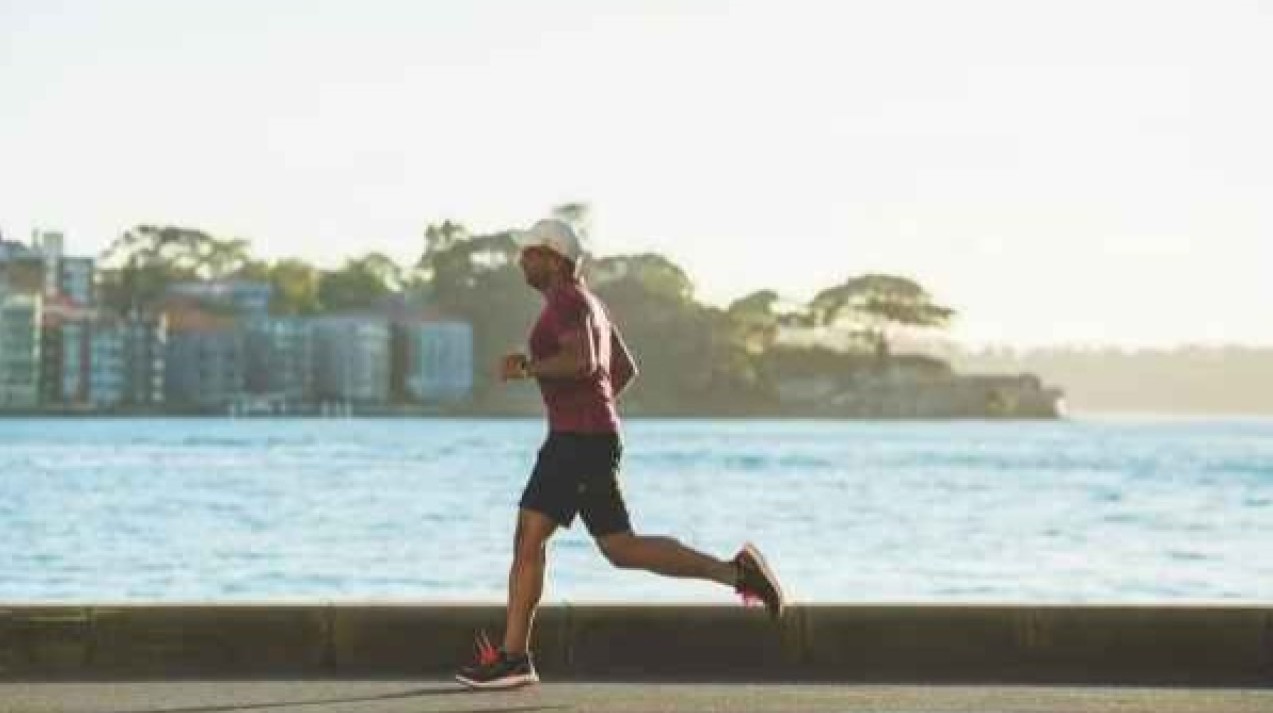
{"points": [[665, 556], [526, 578]]}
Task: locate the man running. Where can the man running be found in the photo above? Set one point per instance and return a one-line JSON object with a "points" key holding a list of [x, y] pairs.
{"points": [[582, 365]]}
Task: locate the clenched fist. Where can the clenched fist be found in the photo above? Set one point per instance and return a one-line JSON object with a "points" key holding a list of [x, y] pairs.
{"points": [[513, 366]]}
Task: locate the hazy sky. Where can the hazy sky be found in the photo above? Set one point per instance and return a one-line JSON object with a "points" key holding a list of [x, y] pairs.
{"points": [[1091, 171]]}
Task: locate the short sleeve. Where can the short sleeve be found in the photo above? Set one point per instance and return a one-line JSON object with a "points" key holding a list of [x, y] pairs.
{"points": [[569, 312]]}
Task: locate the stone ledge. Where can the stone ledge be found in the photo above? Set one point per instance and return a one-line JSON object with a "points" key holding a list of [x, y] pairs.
{"points": [[1184, 645]]}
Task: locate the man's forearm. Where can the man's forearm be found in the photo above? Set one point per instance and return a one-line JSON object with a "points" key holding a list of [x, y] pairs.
{"points": [[620, 383], [622, 372], [562, 365], [623, 367]]}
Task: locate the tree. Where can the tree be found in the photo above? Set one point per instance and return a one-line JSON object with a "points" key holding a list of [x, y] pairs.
{"points": [[438, 240], [476, 278], [651, 273], [689, 354], [141, 263], [361, 283], [255, 270], [756, 320], [187, 251], [871, 303], [296, 288]]}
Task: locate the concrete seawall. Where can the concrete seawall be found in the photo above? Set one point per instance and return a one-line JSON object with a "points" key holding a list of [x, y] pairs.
{"points": [[1190, 645]]}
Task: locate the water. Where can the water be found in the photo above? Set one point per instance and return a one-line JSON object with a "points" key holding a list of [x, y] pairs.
{"points": [[1085, 511]]}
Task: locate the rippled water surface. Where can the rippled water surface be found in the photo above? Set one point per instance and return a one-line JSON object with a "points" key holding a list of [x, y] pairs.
{"points": [[1113, 510]]}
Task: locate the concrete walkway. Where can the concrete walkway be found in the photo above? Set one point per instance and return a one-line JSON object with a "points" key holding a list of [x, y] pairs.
{"points": [[424, 696]]}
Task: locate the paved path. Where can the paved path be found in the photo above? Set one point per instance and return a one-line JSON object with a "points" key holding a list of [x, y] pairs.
{"points": [[419, 696]]}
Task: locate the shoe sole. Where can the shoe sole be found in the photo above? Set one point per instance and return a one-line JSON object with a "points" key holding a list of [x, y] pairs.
{"points": [[759, 559], [499, 684]]}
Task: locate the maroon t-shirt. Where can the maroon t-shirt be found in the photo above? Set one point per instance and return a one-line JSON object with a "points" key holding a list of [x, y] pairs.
{"points": [[583, 404]]}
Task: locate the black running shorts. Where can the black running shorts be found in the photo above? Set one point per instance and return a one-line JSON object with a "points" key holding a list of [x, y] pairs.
{"points": [[579, 473]]}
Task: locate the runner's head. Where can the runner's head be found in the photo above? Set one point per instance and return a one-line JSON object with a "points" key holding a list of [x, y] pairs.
{"points": [[550, 250]]}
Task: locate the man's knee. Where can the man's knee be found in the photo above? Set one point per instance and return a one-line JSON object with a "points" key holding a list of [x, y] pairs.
{"points": [[531, 537], [526, 549], [619, 550]]}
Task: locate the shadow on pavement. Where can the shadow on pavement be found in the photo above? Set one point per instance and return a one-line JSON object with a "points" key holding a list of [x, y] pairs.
{"points": [[416, 693]]}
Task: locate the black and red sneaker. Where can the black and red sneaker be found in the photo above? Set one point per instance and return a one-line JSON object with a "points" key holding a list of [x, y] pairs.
{"points": [[757, 582], [496, 669]]}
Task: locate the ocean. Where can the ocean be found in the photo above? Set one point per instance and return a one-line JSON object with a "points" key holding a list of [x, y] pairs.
{"points": [[1085, 510]]}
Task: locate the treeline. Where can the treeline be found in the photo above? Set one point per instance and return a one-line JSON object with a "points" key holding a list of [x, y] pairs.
{"points": [[695, 358]]}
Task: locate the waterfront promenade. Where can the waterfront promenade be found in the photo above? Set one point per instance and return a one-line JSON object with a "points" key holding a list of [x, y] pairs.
{"points": [[409, 695], [380, 657]]}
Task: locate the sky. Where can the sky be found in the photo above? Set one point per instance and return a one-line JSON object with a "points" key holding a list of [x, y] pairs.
{"points": [[1086, 172]]}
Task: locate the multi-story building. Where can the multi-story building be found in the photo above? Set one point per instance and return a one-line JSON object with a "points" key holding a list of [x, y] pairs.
{"points": [[10, 249], [204, 360], [351, 359], [21, 269], [439, 361], [66, 331], [49, 244], [75, 279], [280, 359], [20, 321], [145, 359], [67, 348], [248, 298], [92, 359], [107, 366], [42, 267]]}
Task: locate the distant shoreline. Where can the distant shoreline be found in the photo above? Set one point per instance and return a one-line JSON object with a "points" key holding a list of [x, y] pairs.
{"points": [[1081, 415], [9, 415]]}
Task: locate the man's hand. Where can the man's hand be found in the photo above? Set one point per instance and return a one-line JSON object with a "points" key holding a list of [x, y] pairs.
{"points": [[513, 367]]}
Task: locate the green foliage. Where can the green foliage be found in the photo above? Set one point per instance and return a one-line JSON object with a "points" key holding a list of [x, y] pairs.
{"points": [[438, 241], [141, 263], [694, 358], [871, 303], [362, 283], [296, 288], [648, 274], [689, 352], [477, 278], [755, 320]]}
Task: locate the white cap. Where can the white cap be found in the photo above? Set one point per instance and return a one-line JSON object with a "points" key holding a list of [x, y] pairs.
{"points": [[556, 235]]}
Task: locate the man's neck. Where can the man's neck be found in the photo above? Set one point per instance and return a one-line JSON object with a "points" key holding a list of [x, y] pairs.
{"points": [[557, 282]]}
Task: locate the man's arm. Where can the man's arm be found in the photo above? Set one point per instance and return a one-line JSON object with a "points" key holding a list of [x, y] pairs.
{"points": [[577, 356], [623, 368]]}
